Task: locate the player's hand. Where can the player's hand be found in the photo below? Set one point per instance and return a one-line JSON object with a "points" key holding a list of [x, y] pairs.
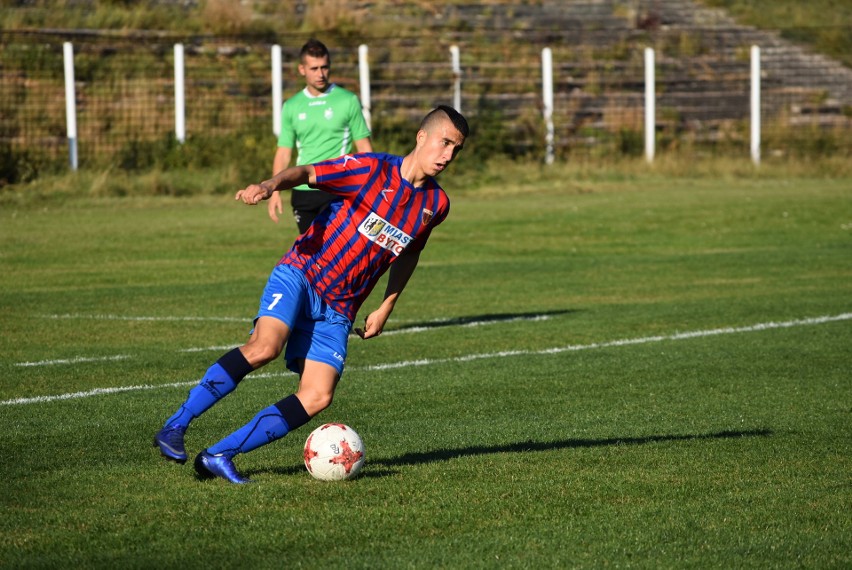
{"points": [[373, 325], [252, 194], [273, 206]]}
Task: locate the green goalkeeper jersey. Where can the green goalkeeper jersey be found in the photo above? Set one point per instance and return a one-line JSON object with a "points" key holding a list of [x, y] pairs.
{"points": [[321, 127]]}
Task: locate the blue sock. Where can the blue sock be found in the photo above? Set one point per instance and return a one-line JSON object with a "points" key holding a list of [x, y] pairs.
{"points": [[220, 380], [270, 423]]}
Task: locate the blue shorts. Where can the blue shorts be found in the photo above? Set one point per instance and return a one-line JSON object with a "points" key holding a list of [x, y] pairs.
{"points": [[316, 331]]}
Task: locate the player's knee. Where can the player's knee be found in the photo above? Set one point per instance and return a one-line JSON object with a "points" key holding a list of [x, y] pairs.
{"points": [[315, 401], [259, 354]]}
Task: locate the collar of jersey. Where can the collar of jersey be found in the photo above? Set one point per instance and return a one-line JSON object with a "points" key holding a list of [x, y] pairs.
{"points": [[307, 93], [397, 164]]}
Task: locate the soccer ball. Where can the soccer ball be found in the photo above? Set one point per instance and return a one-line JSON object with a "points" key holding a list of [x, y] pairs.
{"points": [[334, 452]]}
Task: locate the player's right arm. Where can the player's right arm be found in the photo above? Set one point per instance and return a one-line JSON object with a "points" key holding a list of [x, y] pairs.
{"points": [[284, 180], [279, 163]]}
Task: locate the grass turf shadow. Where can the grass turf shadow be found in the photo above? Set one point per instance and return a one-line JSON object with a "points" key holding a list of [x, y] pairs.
{"points": [[447, 454], [381, 467], [479, 319]]}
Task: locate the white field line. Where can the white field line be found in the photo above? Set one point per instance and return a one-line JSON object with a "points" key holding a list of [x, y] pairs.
{"points": [[429, 327], [471, 357], [208, 348], [143, 318], [614, 343], [75, 360], [83, 359], [95, 392]]}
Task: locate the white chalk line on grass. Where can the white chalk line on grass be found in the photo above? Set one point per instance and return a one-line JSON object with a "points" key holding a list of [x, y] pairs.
{"points": [[430, 326], [144, 318], [471, 357], [614, 343], [75, 360], [94, 392]]}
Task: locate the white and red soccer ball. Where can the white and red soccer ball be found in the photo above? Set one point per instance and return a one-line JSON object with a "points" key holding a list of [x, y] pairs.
{"points": [[334, 452]]}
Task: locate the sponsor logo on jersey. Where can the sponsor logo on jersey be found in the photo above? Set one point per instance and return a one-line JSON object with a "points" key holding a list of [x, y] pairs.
{"points": [[384, 234]]}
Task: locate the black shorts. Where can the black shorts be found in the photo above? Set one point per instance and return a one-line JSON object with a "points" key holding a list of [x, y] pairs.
{"points": [[307, 204]]}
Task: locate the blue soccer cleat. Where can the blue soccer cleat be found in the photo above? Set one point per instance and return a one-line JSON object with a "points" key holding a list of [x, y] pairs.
{"points": [[170, 441], [209, 466]]}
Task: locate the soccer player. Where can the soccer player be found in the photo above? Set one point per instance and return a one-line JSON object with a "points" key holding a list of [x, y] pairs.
{"points": [[387, 209], [321, 122]]}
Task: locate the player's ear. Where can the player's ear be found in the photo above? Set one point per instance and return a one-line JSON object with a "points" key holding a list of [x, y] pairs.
{"points": [[421, 136], [302, 70]]}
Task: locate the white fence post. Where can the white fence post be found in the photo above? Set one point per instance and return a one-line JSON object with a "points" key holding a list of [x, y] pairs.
{"points": [[180, 113], [70, 103], [455, 58], [276, 90], [364, 79], [650, 105], [755, 104], [547, 97]]}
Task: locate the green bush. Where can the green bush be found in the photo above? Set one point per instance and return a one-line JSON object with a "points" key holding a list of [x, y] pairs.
{"points": [[22, 166]]}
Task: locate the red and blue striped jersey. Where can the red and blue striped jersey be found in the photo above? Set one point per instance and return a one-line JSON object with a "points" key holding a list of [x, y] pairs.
{"points": [[354, 241]]}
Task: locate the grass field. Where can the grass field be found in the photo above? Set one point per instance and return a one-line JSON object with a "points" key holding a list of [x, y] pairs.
{"points": [[644, 371]]}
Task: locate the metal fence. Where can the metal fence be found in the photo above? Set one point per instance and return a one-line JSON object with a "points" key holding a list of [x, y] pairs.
{"points": [[125, 90]]}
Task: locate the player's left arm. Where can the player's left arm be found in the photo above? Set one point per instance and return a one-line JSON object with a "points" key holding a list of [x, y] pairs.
{"points": [[364, 145], [358, 127], [398, 276]]}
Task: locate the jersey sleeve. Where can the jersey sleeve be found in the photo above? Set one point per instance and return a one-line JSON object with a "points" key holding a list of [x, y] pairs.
{"points": [[344, 175], [287, 136], [357, 124]]}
